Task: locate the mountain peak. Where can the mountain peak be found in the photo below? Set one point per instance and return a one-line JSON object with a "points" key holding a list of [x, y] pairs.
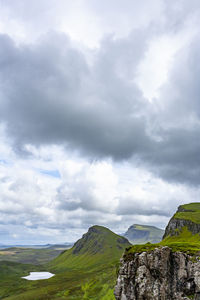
{"points": [[140, 234], [98, 229], [97, 240], [98, 246]]}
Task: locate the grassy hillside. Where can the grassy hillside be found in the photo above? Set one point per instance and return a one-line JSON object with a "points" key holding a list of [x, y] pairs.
{"points": [[10, 277], [86, 271], [28, 255], [185, 241], [140, 234], [190, 212], [182, 233], [97, 246]]}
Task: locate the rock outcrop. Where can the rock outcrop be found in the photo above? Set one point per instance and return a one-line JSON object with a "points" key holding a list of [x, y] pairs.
{"points": [[176, 224], [169, 270], [158, 275]]}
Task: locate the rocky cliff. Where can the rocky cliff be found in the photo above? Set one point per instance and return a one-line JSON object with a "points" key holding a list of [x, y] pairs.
{"points": [[158, 275], [188, 216], [169, 270]]}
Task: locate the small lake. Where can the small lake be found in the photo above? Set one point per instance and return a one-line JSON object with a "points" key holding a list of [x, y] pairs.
{"points": [[38, 275]]}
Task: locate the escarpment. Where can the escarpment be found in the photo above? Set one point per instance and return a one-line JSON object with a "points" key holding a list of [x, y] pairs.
{"points": [[169, 270], [158, 275], [187, 216]]}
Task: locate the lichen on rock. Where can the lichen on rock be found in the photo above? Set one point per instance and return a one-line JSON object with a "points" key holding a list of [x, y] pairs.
{"points": [[159, 275]]}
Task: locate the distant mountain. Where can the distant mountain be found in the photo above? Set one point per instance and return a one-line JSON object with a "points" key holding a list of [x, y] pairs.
{"points": [[36, 256], [86, 271], [141, 234], [98, 246], [64, 246], [46, 246]]}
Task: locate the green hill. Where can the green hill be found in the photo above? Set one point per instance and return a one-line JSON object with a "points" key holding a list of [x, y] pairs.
{"points": [[140, 234], [182, 232], [86, 271], [97, 246]]}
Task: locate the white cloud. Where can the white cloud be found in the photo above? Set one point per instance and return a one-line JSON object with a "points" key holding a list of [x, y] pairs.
{"points": [[85, 21], [35, 207], [68, 106]]}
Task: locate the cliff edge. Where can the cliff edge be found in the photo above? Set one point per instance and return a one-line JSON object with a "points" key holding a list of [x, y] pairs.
{"points": [[169, 270], [159, 275], [187, 216]]}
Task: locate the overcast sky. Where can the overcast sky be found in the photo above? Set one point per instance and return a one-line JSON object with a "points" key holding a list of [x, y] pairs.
{"points": [[99, 115]]}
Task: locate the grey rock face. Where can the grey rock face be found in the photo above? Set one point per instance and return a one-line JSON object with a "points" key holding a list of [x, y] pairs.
{"points": [[159, 275], [175, 224]]}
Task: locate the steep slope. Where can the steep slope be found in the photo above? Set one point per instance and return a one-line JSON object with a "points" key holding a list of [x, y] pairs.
{"points": [[97, 247], [159, 275], [183, 228], [86, 271], [166, 270], [140, 234], [187, 216]]}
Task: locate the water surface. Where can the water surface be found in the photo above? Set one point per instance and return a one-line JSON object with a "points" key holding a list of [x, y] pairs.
{"points": [[38, 275]]}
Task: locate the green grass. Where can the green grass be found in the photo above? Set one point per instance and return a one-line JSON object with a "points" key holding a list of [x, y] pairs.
{"points": [[98, 244], [87, 271], [28, 255], [10, 277], [185, 241], [74, 285], [182, 239], [191, 213]]}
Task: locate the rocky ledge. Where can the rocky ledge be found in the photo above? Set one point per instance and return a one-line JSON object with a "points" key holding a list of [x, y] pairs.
{"points": [[159, 275], [175, 225]]}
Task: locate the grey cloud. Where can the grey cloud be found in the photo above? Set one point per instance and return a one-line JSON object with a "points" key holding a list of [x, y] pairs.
{"points": [[176, 157], [49, 95], [130, 206], [79, 194], [179, 12]]}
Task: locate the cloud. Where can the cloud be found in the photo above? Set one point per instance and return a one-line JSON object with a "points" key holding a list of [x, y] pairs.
{"points": [[63, 101], [84, 21], [97, 109], [82, 142], [176, 122], [61, 209], [93, 188]]}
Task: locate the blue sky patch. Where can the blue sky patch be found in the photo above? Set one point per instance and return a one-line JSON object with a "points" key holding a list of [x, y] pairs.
{"points": [[52, 173]]}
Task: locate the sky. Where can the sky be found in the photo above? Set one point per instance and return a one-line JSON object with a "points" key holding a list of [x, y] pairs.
{"points": [[99, 115]]}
